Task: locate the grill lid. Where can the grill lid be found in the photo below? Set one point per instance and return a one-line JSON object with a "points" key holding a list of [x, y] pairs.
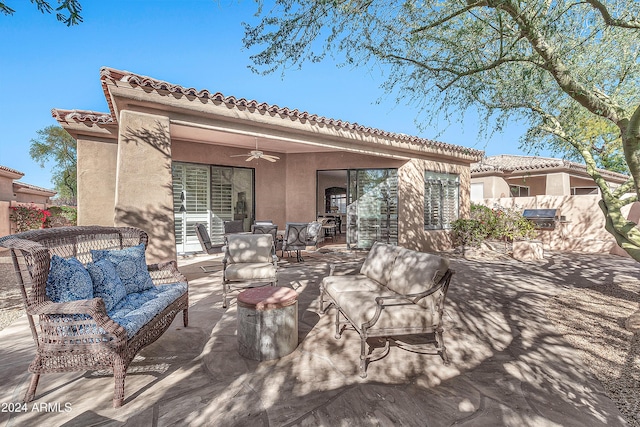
{"points": [[539, 213]]}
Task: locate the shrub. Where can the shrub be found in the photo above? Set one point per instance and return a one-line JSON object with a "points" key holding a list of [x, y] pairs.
{"points": [[28, 217], [486, 223], [62, 216]]}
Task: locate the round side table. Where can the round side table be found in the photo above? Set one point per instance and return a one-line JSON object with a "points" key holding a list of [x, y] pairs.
{"points": [[267, 322]]}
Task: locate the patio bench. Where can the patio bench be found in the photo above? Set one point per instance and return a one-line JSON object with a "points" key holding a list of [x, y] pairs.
{"points": [[96, 300], [398, 292]]}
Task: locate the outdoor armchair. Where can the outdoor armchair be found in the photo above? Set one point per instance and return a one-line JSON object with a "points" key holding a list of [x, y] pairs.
{"points": [[249, 261], [207, 246], [295, 238]]}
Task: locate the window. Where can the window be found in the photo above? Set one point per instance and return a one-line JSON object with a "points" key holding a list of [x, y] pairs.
{"points": [[519, 191], [441, 200], [338, 203], [583, 191]]}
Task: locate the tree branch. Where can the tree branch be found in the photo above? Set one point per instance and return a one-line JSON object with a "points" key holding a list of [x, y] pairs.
{"points": [[609, 20], [553, 64]]}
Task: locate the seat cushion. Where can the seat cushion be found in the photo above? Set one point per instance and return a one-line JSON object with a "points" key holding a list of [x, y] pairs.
{"points": [[131, 265], [249, 248], [360, 308], [356, 282], [379, 262], [106, 283], [415, 272], [68, 280], [138, 308], [250, 271]]}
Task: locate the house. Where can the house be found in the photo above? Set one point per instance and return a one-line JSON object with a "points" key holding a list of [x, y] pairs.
{"points": [[165, 157], [527, 176], [532, 182], [13, 193]]}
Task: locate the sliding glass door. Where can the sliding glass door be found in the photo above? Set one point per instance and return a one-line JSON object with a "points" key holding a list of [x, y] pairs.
{"points": [[209, 195], [372, 210]]}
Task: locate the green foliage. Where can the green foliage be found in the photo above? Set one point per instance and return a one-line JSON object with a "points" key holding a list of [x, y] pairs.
{"points": [[55, 145], [62, 216], [28, 217], [486, 223], [67, 12]]}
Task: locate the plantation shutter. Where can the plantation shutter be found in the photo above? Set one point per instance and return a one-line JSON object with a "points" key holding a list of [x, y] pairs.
{"points": [[441, 200]]}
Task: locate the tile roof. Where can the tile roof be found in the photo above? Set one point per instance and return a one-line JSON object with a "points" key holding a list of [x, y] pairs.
{"points": [[113, 75], [82, 116], [6, 169], [24, 185], [510, 163]]}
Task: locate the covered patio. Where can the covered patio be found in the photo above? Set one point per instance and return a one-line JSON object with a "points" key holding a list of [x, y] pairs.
{"points": [[166, 156], [509, 365]]}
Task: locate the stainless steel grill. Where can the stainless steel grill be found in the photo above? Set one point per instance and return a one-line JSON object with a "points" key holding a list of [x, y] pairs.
{"points": [[542, 219]]}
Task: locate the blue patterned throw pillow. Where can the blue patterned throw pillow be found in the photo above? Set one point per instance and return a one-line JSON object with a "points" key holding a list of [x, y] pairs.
{"points": [[106, 283], [68, 280], [131, 266]]}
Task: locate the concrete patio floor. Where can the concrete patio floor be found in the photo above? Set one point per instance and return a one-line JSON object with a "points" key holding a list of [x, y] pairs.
{"points": [[508, 364]]}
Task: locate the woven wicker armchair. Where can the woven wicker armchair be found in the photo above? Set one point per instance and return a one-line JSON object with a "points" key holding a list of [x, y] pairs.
{"points": [[80, 335]]}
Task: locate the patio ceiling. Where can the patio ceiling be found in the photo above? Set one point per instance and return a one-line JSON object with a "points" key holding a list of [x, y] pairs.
{"points": [[244, 139]]}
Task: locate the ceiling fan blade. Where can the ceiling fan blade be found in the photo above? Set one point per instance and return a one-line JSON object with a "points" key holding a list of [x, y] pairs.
{"points": [[270, 157], [240, 155], [249, 158]]}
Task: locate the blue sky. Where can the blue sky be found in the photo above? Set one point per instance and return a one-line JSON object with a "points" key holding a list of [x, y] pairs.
{"points": [[194, 43]]}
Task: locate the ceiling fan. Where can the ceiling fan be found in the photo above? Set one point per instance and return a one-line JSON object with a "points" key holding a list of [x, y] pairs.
{"points": [[257, 154]]}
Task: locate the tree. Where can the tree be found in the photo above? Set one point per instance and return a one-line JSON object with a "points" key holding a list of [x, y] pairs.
{"points": [[55, 144], [72, 8], [556, 65]]}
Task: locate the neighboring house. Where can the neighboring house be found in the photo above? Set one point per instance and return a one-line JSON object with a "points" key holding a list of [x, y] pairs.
{"points": [[165, 157], [13, 193], [525, 176], [531, 182]]}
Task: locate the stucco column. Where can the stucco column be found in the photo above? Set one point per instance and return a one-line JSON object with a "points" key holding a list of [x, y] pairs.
{"points": [[558, 184], [97, 162], [144, 196]]}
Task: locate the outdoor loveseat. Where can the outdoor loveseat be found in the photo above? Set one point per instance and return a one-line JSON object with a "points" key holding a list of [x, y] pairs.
{"points": [[92, 301], [398, 292]]}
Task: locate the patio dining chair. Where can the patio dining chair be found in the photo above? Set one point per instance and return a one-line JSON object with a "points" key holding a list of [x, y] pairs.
{"points": [[314, 234], [207, 246], [249, 261], [268, 229], [295, 238], [236, 226]]}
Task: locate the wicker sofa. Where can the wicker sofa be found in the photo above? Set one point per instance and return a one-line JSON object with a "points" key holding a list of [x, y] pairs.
{"points": [[82, 332], [398, 292]]}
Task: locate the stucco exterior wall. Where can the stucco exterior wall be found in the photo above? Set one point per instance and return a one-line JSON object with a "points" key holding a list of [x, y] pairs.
{"points": [[583, 228], [36, 199], [270, 178], [144, 195], [6, 188], [558, 184], [301, 203], [97, 165], [411, 232], [5, 223], [493, 186]]}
